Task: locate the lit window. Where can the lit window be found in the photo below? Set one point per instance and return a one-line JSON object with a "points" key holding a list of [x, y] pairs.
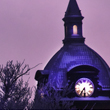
{"points": [[75, 29]]}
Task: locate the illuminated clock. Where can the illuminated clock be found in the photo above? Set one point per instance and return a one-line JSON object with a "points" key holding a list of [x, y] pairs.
{"points": [[84, 87]]}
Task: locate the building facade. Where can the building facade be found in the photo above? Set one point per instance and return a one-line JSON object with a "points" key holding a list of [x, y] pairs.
{"points": [[77, 64]]}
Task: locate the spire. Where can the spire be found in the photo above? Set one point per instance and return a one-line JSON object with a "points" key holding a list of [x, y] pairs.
{"points": [[73, 9], [73, 24]]}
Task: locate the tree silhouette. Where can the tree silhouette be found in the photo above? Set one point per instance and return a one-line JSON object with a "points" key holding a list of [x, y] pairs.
{"points": [[47, 97], [14, 92]]}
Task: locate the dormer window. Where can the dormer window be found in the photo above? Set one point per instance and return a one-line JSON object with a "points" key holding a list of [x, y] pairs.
{"points": [[75, 30]]}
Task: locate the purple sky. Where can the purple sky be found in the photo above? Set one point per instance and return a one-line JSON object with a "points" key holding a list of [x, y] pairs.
{"points": [[33, 29]]}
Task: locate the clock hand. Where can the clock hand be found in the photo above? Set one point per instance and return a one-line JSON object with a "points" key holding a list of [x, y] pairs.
{"points": [[82, 91]]}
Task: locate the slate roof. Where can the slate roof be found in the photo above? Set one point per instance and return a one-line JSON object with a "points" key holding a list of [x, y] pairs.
{"points": [[76, 54]]}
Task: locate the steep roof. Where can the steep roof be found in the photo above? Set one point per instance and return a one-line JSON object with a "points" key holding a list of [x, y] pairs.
{"points": [[73, 9]]}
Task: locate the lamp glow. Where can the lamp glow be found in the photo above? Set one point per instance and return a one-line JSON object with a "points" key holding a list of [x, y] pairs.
{"points": [[75, 30]]}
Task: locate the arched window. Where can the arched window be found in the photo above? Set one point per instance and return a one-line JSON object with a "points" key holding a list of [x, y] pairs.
{"points": [[75, 30]]}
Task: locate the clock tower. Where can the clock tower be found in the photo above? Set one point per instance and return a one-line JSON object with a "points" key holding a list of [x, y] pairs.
{"points": [[77, 64]]}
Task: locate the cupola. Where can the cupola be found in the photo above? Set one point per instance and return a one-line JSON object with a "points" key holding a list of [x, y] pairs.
{"points": [[73, 23]]}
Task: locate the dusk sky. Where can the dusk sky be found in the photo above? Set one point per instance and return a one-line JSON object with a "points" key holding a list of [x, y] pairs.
{"points": [[33, 29]]}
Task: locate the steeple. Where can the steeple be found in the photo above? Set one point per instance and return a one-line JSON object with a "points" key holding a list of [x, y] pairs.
{"points": [[73, 23], [73, 9]]}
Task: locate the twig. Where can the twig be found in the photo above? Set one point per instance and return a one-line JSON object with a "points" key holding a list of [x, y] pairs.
{"points": [[86, 106], [93, 106]]}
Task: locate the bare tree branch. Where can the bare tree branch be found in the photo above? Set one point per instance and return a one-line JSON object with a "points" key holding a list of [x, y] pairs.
{"points": [[15, 93], [93, 106]]}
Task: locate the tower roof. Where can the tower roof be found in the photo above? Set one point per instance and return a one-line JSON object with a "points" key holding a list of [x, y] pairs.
{"points": [[75, 55], [73, 8]]}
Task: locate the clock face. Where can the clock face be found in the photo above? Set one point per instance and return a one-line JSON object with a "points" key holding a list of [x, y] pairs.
{"points": [[84, 87]]}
